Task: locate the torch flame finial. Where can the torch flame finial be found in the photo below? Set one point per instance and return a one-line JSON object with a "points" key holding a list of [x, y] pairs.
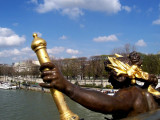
{"points": [[38, 42]]}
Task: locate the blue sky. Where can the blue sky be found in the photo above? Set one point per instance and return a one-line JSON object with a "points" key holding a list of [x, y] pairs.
{"points": [[77, 28]]}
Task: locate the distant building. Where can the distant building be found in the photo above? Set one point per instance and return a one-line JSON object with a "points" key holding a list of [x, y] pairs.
{"points": [[25, 65], [36, 62]]}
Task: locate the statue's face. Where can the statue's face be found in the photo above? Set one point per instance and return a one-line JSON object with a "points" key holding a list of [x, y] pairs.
{"points": [[134, 57]]}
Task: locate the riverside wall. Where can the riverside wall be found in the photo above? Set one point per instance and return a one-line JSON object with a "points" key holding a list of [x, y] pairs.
{"points": [[39, 80], [20, 80]]}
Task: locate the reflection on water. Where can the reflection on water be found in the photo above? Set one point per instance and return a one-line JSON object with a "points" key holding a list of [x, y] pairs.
{"points": [[31, 105]]}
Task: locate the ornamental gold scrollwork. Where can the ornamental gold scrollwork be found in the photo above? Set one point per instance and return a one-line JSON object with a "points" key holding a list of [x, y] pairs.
{"points": [[132, 72]]}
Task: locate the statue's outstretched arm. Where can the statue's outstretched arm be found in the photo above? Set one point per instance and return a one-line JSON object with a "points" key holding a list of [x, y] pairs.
{"points": [[90, 99]]}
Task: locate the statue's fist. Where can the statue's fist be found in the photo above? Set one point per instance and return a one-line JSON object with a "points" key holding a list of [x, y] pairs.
{"points": [[51, 76]]}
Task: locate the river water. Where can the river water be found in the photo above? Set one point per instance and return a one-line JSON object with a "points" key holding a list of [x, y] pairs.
{"points": [[31, 105]]}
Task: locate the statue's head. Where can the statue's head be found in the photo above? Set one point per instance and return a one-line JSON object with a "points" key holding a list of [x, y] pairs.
{"points": [[121, 81], [135, 58]]}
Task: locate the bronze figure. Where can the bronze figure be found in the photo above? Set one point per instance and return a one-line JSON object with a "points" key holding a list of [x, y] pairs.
{"points": [[130, 100], [124, 70]]}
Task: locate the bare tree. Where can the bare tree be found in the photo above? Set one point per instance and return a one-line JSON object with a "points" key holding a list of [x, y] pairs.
{"points": [[6, 70], [97, 66], [82, 66], [125, 50], [88, 69]]}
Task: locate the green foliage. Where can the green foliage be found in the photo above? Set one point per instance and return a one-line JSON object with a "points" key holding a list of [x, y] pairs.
{"points": [[76, 83], [151, 63], [109, 86]]}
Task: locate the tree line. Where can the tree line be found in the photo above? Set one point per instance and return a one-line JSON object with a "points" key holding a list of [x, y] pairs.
{"points": [[93, 67], [83, 67]]}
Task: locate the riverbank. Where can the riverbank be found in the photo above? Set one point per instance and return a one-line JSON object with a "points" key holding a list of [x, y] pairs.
{"points": [[32, 83], [40, 89], [102, 82], [34, 88]]}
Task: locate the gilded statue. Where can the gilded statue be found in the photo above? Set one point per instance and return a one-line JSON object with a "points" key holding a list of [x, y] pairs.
{"points": [[130, 100]]}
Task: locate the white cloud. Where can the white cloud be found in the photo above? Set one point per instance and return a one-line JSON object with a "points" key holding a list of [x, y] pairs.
{"points": [[74, 56], [156, 22], [26, 50], [9, 38], [141, 43], [55, 50], [72, 13], [106, 38], [63, 37], [38, 33], [127, 8], [16, 52], [58, 50], [71, 51], [33, 1], [73, 8]]}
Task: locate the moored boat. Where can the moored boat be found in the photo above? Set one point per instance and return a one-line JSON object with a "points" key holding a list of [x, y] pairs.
{"points": [[110, 92], [7, 85]]}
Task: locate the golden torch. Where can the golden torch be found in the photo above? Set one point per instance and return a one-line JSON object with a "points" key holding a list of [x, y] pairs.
{"points": [[39, 47]]}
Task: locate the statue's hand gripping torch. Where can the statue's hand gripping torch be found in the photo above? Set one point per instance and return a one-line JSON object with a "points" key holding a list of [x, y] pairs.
{"points": [[39, 46]]}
